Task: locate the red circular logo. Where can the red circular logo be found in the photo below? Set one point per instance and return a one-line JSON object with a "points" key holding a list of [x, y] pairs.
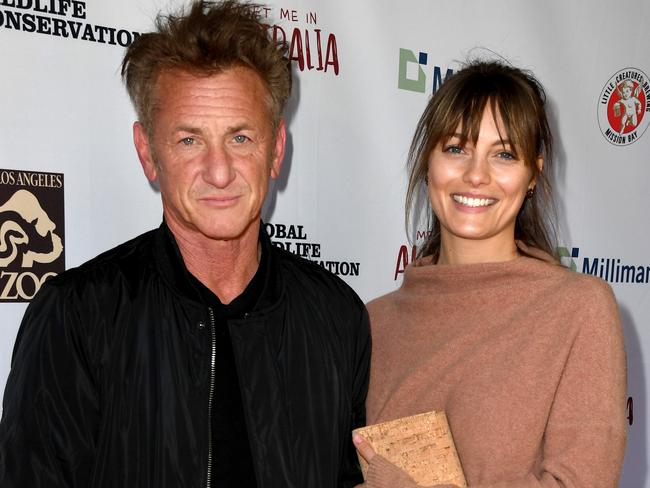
{"points": [[623, 107]]}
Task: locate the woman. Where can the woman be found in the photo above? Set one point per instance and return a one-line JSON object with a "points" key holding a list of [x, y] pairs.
{"points": [[525, 357]]}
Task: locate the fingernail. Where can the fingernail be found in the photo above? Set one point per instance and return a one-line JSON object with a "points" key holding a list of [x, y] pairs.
{"points": [[357, 439]]}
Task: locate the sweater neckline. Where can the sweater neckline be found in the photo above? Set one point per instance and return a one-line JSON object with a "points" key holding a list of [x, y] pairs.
{"points": [[524, 251], [531, 264]]}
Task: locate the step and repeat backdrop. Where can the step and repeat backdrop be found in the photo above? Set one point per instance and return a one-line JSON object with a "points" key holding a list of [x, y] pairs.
{"points": [[71, 185]]}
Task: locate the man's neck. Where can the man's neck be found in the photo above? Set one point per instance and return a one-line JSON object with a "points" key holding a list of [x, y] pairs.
{"points": [[224, 267]]}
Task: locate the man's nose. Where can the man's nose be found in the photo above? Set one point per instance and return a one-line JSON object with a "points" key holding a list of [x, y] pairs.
{"points": [[219, 167]]}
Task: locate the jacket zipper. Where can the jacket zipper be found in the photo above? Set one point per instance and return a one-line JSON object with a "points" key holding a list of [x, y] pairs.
{"points": [[213, 360]]}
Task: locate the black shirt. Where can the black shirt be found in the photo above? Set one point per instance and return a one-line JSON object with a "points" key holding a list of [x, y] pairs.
{"points": [[232, 462]]}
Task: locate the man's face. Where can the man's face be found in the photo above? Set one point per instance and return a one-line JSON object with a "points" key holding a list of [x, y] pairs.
{"points": [[212, 149]]}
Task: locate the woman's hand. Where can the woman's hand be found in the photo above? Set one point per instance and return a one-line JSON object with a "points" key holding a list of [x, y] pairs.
{"points": [[363, 447], [384, 473]]}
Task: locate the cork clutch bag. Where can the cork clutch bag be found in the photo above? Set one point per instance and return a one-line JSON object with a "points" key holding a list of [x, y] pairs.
{"points": [[421, 445]]}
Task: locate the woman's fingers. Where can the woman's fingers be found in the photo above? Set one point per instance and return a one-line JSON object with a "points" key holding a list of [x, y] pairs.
{"points": [[364, 447]]}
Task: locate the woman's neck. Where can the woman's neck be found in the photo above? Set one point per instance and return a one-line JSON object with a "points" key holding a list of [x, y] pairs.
{"points": [[467, 251]]}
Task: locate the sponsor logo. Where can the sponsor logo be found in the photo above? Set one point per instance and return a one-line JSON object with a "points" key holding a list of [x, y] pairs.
{"points": [[624, 107], [31, 232], [408, 254], [568, 257], [612, 270], [60, 18], [310, 47], [293, 238], [413, 70]]}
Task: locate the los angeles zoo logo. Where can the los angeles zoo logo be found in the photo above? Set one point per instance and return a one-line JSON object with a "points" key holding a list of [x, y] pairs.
{"points": [[624, 107], [31, 232]]}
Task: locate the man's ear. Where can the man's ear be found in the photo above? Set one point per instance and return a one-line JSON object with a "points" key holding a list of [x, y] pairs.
{"points": [[278, 155], [143, 148]]}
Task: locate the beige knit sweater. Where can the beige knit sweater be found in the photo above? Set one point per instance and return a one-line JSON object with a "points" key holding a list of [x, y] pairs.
{"points": [[525, 357]]}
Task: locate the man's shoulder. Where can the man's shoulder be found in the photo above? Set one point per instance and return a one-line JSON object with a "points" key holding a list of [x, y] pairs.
{"points": [[334, 309], [89, 288], [133, 249], [308, 277], [129, 258]]}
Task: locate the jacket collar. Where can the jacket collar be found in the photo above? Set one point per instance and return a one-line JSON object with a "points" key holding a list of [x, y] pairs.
{"points": [[170, 265]]}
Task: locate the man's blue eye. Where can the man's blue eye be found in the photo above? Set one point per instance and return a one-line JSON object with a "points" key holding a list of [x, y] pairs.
{"points": [[187, 141], [240, 138]]}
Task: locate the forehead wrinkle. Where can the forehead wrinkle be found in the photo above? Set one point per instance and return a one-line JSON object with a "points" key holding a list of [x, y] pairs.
{"points": [[200, 105], [199, 117], [188, 128], [239, 127]]}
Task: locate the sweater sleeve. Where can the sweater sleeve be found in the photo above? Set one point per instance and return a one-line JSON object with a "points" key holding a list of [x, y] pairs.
{"points": [[584, 440], [50, 404], [383, 474]]}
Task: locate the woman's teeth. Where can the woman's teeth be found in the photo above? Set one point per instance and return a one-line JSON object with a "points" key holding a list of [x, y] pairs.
{"points": [[473, 202]]}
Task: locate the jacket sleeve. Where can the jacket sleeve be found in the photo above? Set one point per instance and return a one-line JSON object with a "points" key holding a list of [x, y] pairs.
{"points": [[584, 440], [50, 407], [350, 474]]}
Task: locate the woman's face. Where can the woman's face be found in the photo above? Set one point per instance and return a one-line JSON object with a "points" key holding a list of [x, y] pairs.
{"points": [[476, 191]]}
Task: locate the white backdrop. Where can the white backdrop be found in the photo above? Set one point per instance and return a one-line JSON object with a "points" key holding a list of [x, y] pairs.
{"points": [[64, 110]]}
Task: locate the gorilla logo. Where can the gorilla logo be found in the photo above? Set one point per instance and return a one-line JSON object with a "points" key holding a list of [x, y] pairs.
{"points": [[26, 227]]}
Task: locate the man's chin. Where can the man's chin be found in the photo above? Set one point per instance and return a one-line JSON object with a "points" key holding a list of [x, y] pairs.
{"points": [[224, 231]]}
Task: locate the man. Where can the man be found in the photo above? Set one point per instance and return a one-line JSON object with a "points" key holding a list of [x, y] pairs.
{"points": [[197, 354]]}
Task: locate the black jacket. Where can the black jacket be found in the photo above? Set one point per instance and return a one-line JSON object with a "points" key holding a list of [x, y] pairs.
{"points": [[111, 376]]}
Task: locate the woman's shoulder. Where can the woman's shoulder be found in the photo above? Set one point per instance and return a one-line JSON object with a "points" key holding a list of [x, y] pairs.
{"points": [[578, 288], [387, 310], [574, 283], [591, 293], [382, 302], [586, 301]]}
